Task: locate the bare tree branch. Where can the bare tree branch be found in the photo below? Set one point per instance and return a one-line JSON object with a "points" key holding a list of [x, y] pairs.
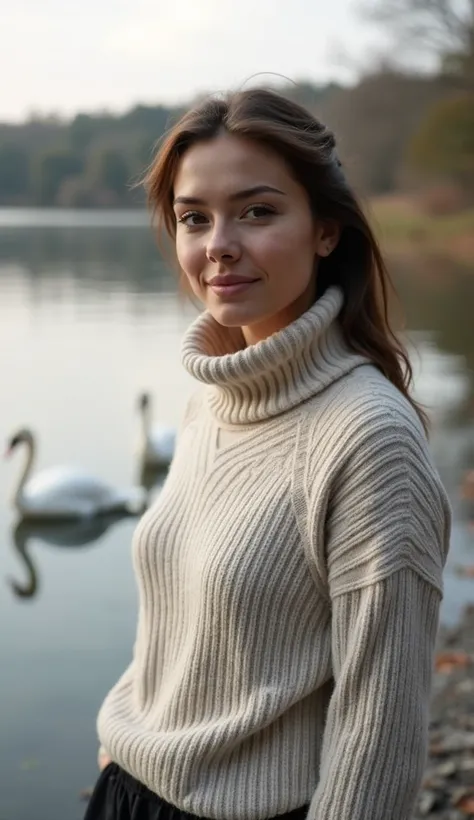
{"points": [[439, 25]]}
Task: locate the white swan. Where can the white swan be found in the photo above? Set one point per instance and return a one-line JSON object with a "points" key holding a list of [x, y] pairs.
{"points": [[158, 442], [61, 493]]}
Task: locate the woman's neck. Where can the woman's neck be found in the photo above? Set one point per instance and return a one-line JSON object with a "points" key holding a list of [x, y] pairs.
{"points": [[260, 331]]}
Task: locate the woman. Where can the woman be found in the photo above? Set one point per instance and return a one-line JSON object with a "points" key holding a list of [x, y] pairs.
{"points": [[290, 573]]}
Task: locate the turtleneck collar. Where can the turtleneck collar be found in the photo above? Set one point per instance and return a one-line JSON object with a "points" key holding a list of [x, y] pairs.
{"points": [[250, 384]]}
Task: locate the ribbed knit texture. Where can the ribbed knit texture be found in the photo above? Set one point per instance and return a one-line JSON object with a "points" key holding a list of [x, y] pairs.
{"points": [[289, 587]]}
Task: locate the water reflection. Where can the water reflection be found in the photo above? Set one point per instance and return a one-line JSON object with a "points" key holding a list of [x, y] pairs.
{"points": [[441, 381], [88, 256], [99, 255], [65, 535]]}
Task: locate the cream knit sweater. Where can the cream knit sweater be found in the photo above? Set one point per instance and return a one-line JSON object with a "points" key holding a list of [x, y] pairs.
{"points": [[289, 579]]}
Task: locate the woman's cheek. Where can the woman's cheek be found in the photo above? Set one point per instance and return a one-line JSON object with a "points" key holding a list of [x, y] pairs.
{"points": [[189, 259], [283, 239], [194, 283], [182, 254], [274, 255]]}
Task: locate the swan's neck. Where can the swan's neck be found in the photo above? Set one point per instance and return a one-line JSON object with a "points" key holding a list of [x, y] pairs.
{"points": [[30, 457], [146, 423]]}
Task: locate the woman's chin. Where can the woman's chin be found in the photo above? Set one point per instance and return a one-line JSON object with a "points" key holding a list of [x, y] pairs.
{"points": [[234, 315]]}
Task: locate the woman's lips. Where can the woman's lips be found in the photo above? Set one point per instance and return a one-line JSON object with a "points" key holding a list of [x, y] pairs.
{"points": [[231, 288]]}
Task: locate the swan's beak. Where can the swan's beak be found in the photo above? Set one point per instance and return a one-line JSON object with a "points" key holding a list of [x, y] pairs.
{"points": [[8, 452]]}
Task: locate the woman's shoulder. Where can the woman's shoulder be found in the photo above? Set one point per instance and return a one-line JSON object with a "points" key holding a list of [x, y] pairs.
{"points": [[360, 405], [367, 455]]}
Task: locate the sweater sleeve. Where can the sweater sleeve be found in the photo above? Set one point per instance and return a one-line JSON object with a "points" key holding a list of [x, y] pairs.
{"points": [[375, 737], [385, 545]]}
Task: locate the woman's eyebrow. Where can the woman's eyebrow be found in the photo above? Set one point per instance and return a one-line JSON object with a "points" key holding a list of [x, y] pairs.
{"points": [[245, 194]]}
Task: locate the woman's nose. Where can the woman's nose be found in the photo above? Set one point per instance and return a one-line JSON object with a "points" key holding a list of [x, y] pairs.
{"points": [[223, 246]]}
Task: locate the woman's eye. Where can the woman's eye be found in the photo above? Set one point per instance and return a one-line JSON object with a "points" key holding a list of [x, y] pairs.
{"points": [[258, 211], [191, 219]]}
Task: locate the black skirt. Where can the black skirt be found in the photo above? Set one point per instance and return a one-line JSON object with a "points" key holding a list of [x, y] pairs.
{"points": [[118, 796]]}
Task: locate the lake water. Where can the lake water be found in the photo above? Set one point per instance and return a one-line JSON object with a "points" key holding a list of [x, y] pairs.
{"points": [[89, 317]]}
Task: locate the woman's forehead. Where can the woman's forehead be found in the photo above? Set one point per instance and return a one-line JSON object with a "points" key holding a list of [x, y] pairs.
{"points": [[227, 164]]}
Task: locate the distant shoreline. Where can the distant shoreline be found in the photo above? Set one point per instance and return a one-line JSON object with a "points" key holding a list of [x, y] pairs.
{"points": [[405, 230]]}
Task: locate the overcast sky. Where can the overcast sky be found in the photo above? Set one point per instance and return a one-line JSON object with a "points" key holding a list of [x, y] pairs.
{"points": [[87, 55]]}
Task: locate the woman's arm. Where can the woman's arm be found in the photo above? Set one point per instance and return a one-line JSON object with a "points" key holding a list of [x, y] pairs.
{"points": [[380, 556], [375, 738]]}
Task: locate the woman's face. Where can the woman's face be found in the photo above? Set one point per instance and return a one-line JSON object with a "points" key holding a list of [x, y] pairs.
{"points": [[246, 238]]}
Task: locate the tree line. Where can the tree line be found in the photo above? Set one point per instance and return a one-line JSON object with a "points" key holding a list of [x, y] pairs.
{"points": [[396, 127]]}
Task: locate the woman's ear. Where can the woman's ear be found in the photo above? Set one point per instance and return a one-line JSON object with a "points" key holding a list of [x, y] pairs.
{"points": [[328, 234]]}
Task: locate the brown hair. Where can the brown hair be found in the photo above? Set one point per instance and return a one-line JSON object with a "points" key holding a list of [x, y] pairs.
{"points": [[308, 147]]}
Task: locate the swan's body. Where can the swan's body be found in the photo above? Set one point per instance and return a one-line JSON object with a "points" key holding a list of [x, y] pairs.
{"points": [[160, 446], [65, 493], [158, 441]]}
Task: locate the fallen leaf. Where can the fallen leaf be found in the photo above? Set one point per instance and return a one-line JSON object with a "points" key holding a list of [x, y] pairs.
{"points": [[447, 661], [452, 743], [467, 485], [446, 769], [426, 802], [466, 803]]}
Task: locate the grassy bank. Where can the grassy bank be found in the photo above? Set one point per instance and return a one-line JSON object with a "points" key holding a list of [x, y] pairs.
{"points": [[404, 228]]}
